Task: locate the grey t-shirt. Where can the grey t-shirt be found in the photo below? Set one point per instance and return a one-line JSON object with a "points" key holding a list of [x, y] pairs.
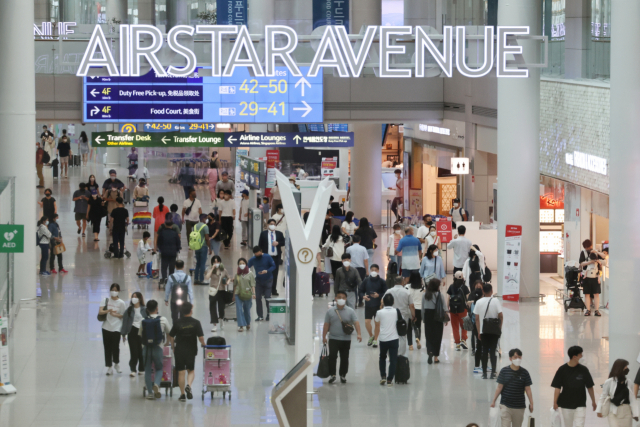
{"points": [[81, 205], [229, 185], [348, 315]]}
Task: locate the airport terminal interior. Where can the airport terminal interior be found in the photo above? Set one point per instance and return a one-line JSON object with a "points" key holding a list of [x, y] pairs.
{"points": [[413, 202]]}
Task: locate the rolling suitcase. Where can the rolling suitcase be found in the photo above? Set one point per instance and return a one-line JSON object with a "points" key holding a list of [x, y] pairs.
{"points": [[76, 160], [321, 285], [54, 167], [127, 196], [403, 373]]}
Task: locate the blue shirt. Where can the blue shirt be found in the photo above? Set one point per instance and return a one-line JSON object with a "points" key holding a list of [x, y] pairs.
{"points": [[432, 266], [179, 275], [411, 248], [265, 262]]}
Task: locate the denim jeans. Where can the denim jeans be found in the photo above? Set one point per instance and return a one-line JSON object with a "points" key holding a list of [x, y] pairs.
{"points": [[263, 289], [44, 251], [243, 312], [215, 246], [152, 355], [201, 263], [392, 348], [397, 259]]}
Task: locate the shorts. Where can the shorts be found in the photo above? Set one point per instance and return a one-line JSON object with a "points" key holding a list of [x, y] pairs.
{"points": [[185, 360], [370, 312], [407, 273], [142, 260], [64, 161], [590, 286], [80, 216]]}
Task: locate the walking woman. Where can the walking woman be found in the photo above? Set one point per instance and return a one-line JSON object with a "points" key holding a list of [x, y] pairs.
{"points": [[114, 308], [415, 291], [622, 404], [368, 236], [159, 214], [212, 176], [219, 278], [244, 289], [131, 323], [348, 226], [83, 142], [432, 266], [336, 243], [432, 327], [392, 244], [44, 237], [476, 344], [95, 212], [93, 184], [474, 266], [392, 268]]}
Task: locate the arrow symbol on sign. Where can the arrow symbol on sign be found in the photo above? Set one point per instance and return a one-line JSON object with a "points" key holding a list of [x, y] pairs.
{"points": [[297, 138], [231, 139], [96, 110], [94, 93], [303, 82], [99, 140], [163, 140], [307, 109]]}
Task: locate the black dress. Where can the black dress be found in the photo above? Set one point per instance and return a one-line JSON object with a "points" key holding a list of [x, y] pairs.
{"points": [[433, 329]]}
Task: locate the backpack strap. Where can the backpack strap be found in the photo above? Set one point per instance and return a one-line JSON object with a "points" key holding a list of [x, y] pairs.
{"points": [[485, 312]]}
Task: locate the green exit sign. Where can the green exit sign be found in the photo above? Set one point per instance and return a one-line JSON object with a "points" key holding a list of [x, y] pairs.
{"points": [[11, 238]]}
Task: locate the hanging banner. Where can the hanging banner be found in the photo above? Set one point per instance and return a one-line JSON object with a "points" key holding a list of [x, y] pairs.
{"points": [[231, 12], [331, 12], [511, 268], [273, 160], [444, 229]]}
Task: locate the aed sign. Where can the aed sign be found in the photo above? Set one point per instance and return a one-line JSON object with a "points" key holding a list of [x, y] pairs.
{"points": [[11, 238], [334, 51]]}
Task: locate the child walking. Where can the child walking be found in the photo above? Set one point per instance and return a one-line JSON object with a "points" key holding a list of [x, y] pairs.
{"points": [[143, 249]]}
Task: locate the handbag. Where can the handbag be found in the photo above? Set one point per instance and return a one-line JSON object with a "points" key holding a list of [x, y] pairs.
{"points": [[347, 328], [59, 248], [490, 326], [330, 249], [441, 315], [467, 322], [432, 275], [103, 317], [323, 365], [401, 324]]}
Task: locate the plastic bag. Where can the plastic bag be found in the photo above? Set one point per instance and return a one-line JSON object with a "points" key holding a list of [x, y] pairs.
{"points": [[494, 417], [556, 418], [154, 262]]}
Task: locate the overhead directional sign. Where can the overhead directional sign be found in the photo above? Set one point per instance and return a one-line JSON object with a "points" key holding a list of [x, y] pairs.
{"points": [[148, 139], [289, 139], [240, 98]]}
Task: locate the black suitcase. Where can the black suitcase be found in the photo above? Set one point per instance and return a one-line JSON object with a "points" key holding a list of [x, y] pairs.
{"points": [[403, 373], [216, 341], [54, 167], [76, 160], [127, 196], [321, 284]]}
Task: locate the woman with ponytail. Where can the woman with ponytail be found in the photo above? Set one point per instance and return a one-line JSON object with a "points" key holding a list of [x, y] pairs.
{"points": [[159, 213]]}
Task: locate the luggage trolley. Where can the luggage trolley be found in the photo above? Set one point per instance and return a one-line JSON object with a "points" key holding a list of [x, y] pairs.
{"points": [[141, 214], [216, 370], [167, 373]]}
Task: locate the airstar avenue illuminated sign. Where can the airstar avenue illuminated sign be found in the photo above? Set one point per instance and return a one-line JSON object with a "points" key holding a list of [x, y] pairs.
{"points": [[334, 51]]}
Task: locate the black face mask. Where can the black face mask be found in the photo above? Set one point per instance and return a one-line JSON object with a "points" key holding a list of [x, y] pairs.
{"points": [[429, 223], [626, 371], [48, 194], [477, 294]]}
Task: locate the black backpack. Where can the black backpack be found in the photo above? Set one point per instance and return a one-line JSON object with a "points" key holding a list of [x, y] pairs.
{"points": [[216, 341], [458, 302], [401, 324], [152, 331], [487, 275], [46, 158]]}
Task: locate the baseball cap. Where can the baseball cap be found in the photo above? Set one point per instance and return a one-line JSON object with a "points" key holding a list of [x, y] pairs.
{"points": [[246, 192], [94, 192], [458, 275]]}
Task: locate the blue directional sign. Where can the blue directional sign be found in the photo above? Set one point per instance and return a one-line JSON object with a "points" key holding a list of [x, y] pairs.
{"points": [[240, 98], [325, 140]]}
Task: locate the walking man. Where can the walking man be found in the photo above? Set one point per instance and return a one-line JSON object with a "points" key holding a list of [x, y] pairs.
{"points": [[339, 341], [271, 242], [347, 280], [488, 309], [513, 383], [179, 287], [263, 265], [186, 332], [153, 331], [571, 383]]}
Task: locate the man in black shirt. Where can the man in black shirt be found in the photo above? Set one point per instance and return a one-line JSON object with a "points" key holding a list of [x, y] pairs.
{"points": [[111, 182], [64, 149], [81, 199], [590, 285], [513, 383], [186, 333], [120, 218], [570, 383], [46, 134]]}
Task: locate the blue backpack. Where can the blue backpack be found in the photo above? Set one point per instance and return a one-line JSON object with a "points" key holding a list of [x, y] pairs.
{"points": [[152, 331]]}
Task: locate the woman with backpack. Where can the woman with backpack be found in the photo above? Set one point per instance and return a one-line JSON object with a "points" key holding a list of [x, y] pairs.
{"points": [[433, 304], [244, 289], [336, 244], [131, 324], [474, 266], [416, 289], [219, 278], [458, 293]]}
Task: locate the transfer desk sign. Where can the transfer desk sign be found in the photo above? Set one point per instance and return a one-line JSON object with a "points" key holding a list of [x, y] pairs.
{"points": [[147, 139]]}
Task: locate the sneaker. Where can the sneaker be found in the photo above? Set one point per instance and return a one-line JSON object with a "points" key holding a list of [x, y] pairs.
{"points": [[79, 230], [411, 348], [484, 375], [375, 344], [117, 368], [45, 273], [267, 319], [187, 390], [473, 352], [458, 347], [156, 391], [240, 329], [63, 271], [463, 344], [150, 397], [140, 372], [361, 305], [332, 379], [259, 319], [132, 374], [53, 271], [370, 341], [275, 294], [477, 370], [383, 381], [243, 243], [389, 383], [182, 398], [430, 359], [493, 375], [343, 380], [418, 342], [110, 371], [214, 329]]}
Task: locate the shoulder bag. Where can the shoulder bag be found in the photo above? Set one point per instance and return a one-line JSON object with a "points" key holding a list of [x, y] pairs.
{"points": [[347, 328], [330, 248], [441, 314], [103, 317], [401, 324], [188, 211], [432, 275], [490, 326]]}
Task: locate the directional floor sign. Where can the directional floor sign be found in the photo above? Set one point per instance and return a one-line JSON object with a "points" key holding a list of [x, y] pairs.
{"points": [[147, 139], [289, 139]]}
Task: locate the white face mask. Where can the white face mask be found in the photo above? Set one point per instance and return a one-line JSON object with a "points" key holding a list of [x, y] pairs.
{"points": [[455, 205], [433, 233], [516, 362], [241, 266], [346, 263], [374, 274], [341, 302], [134, 301], [216, 265], [272, 227], [114, 294], [398, 231]]}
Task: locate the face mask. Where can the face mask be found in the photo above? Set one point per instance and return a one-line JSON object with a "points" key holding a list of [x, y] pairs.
{"points": [[272, 227], [48, 194], [241, 266], [398, 231], [114, 294], [341, 302], [280, 211], [455, 205], [346, 263], [134, 301], [113, 177], [374, 274], [626, 371], [216, 265], [516, 362], [433, 233], [435, 253]]}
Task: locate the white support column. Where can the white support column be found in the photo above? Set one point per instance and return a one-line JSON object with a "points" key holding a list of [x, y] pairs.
{"points": [[118, 9], [366, 172], [577, 38], [17, 116], [519, 152], [624, 173], [177, 13]]}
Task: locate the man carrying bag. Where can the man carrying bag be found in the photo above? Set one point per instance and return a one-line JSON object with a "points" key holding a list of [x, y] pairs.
{"points": [[488, 312]]}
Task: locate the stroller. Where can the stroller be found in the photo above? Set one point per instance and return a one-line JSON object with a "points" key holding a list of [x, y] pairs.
{"points": [[572, 297]]}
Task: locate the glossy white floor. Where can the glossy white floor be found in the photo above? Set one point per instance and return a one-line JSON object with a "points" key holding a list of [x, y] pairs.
{"points": [[59, 365]]}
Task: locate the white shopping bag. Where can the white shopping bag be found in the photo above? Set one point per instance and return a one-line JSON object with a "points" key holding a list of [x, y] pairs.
{"points": [[556, 418], [154, 262], [494, 417]]}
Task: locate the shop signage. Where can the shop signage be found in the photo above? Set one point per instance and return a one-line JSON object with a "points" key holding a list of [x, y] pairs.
{"points": [[273, 163], [250, 172], [289, 139], [444, 229], [231, 12], [587, 161], [434, 129], [11, 238], [511, 268], [548, 202], [459, 166], [334, 51], [147, 139], [328, 166], [331, 12]]}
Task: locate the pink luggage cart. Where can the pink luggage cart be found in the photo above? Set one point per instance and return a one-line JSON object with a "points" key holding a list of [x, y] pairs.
{"points": [[216, 370], [167, 373]]}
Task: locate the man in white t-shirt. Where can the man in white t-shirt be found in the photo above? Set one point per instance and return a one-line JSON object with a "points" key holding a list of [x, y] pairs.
{"points": [[227, 211], [397, 200], [387, 336], [191, 211], [458, 214], [423, 231], [488, 308], [461, 246]]}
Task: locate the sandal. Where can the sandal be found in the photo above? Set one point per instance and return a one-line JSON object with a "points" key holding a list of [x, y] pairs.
{"points": [[587, 313], [84, 235], [597, 313]]}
